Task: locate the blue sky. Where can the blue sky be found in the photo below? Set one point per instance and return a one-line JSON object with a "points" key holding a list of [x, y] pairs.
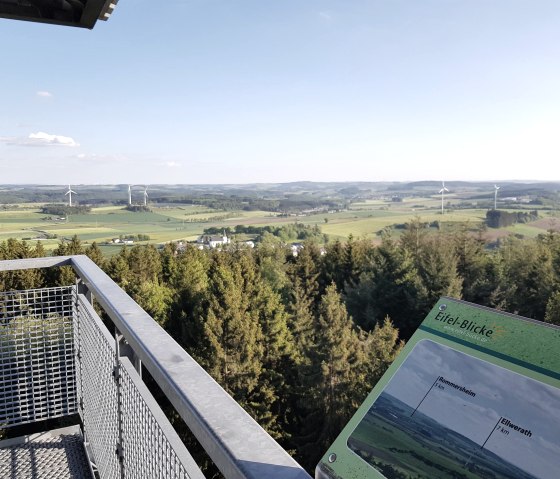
{"points": [[201, 91]]}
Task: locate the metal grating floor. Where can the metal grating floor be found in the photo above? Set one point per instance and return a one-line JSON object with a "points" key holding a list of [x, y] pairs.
{"points": [[57, 454]]}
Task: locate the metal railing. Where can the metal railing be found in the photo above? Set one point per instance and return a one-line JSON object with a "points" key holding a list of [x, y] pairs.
{"points": [[37, 368], [126, 432]]}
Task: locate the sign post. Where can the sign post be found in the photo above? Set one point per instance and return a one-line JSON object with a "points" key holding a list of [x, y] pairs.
{"points": [[475, 393]]}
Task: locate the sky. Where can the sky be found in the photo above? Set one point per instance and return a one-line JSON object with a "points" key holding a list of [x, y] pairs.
{"points": [[499, 393], [222, 91]]}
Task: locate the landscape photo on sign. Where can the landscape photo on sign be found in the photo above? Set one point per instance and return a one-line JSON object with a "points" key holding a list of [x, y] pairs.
{"points": [[447, 414]]}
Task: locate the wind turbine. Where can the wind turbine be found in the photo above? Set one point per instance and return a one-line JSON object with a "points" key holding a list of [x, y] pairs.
{"points": [[146, 196], [69, 192], [129, 195], [496, 188], [442, 191]]}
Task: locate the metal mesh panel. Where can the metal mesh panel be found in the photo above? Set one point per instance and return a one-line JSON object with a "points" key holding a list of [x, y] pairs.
{"points": [[151, 448], [37, 369], [134, 427], [57, 454], [98, 389]]}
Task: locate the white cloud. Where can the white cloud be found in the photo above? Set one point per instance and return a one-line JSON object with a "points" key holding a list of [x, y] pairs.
{"points": [[46, 139], [40, 139], [171, 164], [44, 94]]}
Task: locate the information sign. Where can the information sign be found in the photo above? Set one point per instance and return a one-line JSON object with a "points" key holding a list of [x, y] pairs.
{"points": [[475, 393]]}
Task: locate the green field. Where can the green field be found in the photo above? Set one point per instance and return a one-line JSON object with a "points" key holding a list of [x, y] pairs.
{"points": [[185, 222], [399, 444]]}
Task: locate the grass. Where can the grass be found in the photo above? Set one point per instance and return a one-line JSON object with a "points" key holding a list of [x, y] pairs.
{"points": [[186, 222]]}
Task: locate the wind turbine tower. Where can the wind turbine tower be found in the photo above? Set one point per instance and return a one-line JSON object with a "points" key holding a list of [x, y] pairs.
{"points": [[129, 195], [146, 196], [442, 191], [496, 188], [69, 193]]}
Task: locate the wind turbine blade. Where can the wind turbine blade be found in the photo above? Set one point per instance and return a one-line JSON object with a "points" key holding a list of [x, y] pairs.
{"points": [[445, 189]]}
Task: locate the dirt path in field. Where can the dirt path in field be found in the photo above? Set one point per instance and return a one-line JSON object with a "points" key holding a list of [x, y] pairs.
{"points": [[492, 235], [547, 224]]}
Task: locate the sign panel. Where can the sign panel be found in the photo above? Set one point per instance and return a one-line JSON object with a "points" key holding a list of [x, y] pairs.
{"points": [[474, 394]]}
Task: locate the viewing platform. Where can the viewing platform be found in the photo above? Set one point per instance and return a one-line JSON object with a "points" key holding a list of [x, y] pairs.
{"points": [[59, 361]]}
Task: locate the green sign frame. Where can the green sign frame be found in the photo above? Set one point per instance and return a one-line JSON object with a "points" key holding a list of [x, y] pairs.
{"points": [[474, 393]]}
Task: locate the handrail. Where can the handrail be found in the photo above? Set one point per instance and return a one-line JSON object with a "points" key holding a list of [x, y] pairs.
{"points": [[34, 263], [239, 447]]}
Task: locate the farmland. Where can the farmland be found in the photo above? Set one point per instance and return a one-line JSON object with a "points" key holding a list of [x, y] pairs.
{"points": [[366, 216]]}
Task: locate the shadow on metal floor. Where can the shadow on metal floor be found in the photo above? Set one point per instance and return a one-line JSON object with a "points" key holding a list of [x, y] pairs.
{"points": [[56, 454]]}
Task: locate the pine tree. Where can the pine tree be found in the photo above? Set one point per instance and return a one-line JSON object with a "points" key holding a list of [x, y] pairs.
{"points": [[271, 256], [156, 299], [414, 237], [232, 350], [302, 323], [96, 255], [329, 380], [529, 277], [305, 266], [552, 314], [273, 402], [65, 275], [389, 287], [118, 269], [19, 279], [190, 281], [437, 268], [168, 261]]}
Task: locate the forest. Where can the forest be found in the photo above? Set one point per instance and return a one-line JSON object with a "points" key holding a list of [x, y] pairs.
{"points": [[299, 341]]}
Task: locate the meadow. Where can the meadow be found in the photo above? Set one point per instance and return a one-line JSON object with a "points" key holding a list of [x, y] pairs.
{"points": [[184, 222]]}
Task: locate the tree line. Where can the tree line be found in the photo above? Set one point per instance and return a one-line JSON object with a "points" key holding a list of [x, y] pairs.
{"points": [[300, 341], [501, 219]]}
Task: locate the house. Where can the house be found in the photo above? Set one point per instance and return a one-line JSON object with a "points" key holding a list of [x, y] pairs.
{"points": [[296, 248], [212, 241]]}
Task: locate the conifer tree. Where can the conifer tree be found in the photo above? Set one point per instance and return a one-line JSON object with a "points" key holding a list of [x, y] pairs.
{"points": [[64, 275], [144, 262], [271, 254], [156, 299], [327, 394], [302, 323], [20, 279], [437, 268], [190, 281], [552, 314], [380, 347], [305, 266], [118, 269], [273, 402], [168, 261], [389, 287], [529, 277], [338, 355], [414, 237], [335, 265], [96, 255], [232, 350]]}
